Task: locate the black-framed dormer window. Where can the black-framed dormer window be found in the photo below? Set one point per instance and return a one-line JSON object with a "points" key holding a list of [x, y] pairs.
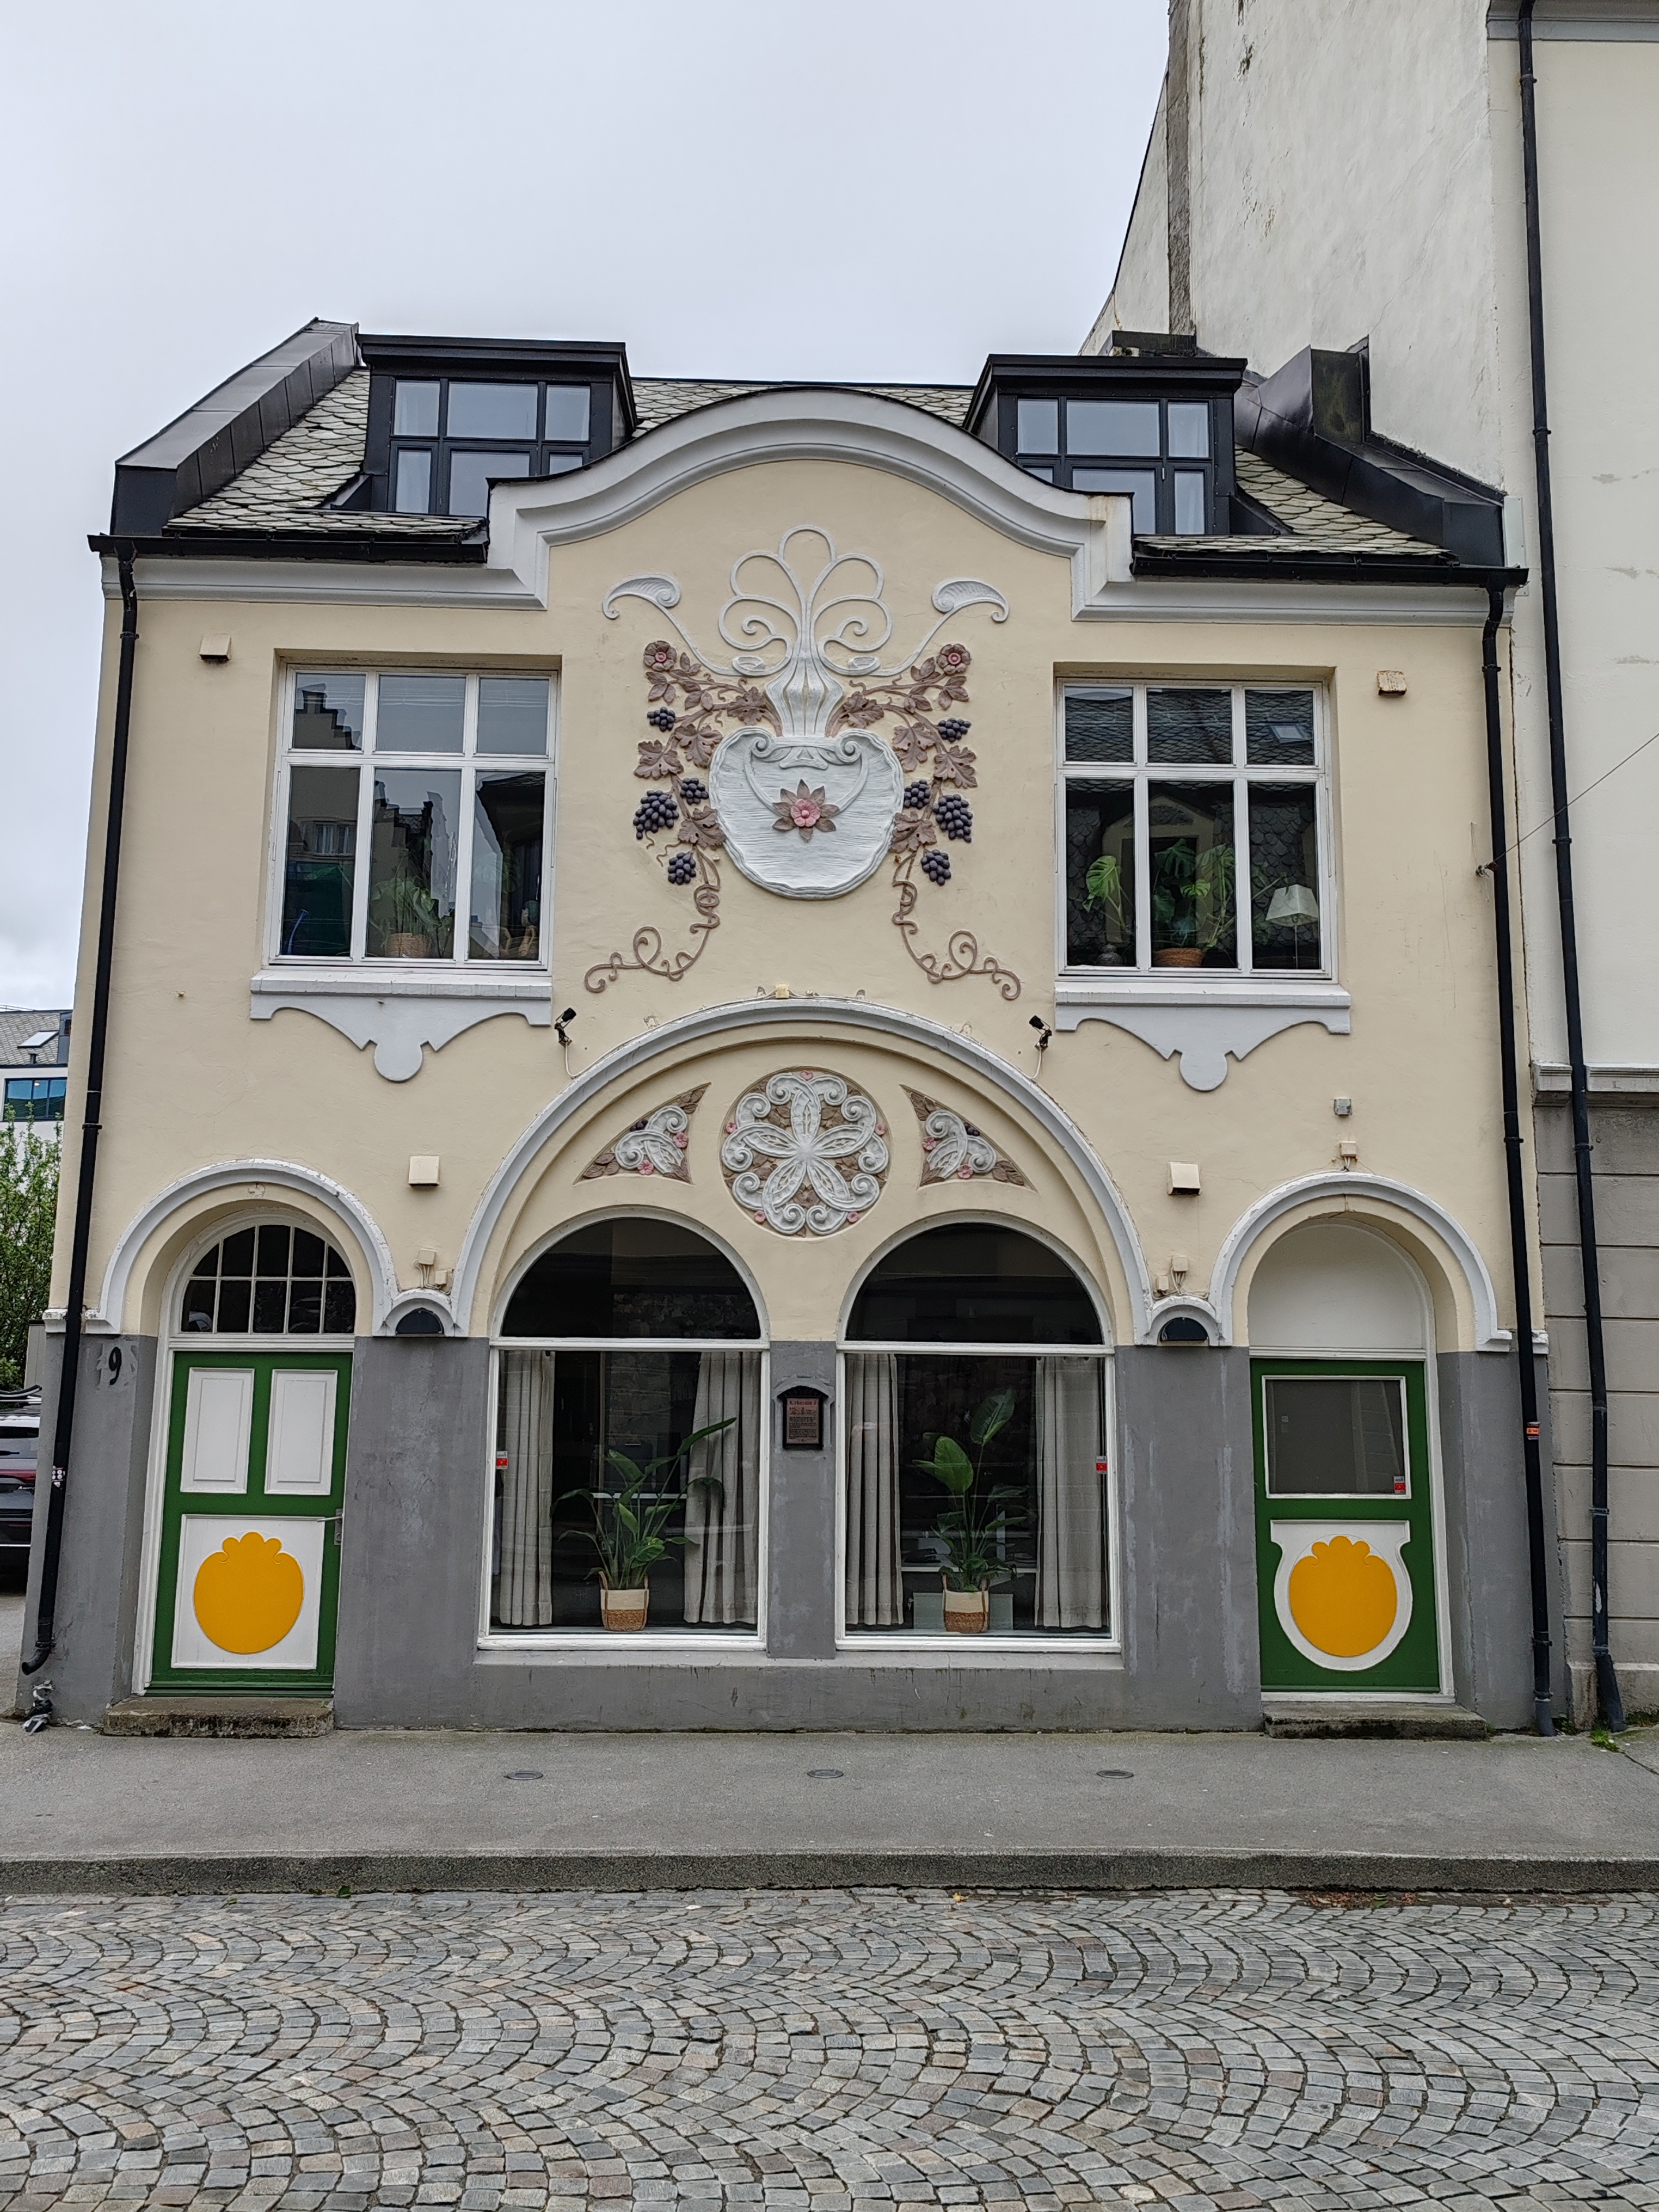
{"points": [[452, 436], [1160, 451]]}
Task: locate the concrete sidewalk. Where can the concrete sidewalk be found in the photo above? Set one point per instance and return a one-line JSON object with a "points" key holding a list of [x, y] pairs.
{"points": [[379, 1810]]}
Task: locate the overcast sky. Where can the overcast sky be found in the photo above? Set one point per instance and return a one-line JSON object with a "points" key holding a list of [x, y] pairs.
{"points": [[853, 189]]}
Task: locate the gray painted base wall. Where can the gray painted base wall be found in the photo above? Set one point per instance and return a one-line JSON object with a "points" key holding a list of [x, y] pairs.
{"points": [[416, 1527], [1625, 1132]]}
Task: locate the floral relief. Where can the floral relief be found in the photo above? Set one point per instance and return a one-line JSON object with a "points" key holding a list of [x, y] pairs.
{"points": [[805, 1154], [656, 1144], [874, 764], [953, 1149]]}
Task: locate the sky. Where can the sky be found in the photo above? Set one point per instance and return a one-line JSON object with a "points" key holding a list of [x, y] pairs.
{"points": [[871, 189]]}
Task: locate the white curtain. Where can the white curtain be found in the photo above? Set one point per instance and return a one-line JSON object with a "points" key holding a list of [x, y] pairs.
{"points": [[524, 1593], [875, 1587], [722, 1527], [1070, 1590]]}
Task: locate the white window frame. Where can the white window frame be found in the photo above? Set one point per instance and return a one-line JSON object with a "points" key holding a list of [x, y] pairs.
{"points": [[466, 762], [1246, 983], [605, 1645], [903, 1646]]}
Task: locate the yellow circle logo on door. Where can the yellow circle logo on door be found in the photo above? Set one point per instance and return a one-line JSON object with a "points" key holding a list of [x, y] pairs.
{"points": [[248, 1594], [1343, 1598]]}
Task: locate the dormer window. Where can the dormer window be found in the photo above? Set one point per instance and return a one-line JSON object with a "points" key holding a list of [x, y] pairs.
{"points": [[452, 437], [449, 418], [1154, 426]]}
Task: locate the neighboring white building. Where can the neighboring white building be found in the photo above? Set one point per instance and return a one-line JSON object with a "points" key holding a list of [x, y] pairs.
{"points": [[1349, 177]]}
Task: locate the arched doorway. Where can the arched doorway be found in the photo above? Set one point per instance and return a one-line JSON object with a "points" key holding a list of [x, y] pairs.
{"points": [[248, 1568], [1341, 1340], [976, 1470], [630, 1444]]}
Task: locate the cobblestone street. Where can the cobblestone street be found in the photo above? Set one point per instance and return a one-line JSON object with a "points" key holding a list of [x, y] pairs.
{"points": [[827, 2051]]}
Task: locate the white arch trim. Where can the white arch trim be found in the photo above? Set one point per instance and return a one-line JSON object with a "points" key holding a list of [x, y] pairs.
{"points": [[1092, 532], [715, 1022], [1348, 1183], [238, 1174]]}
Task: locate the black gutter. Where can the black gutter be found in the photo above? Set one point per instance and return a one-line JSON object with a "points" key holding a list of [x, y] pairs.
{"points": [[1315, 568], [295, 545], [45, 1611], [1520, 1253], [1608, 1693]]}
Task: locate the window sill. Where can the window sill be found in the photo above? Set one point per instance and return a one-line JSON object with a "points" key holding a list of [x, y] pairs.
{"points": [[1004, 1649], [401, 1007], [1203, 1018], [629, 1650]]}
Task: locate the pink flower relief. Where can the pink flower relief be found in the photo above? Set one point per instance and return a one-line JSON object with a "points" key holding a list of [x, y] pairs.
{"points": [[851, 1218], [761, 1218], [964, 1174], [645, 1168], [682, 1138], [805, 812]]}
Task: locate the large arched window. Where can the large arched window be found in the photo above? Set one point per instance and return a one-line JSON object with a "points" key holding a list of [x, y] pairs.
{"points": [[630, 1444], [271, 1280], [977, 1495]]}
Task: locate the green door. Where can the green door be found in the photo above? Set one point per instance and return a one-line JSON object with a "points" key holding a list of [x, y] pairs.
{"points": [[251, 1521], [1344, 1526]]}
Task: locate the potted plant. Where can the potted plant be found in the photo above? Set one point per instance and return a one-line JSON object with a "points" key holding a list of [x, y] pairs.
{"points": [[404, 915], [1192, 901], [1103, 886], [971, 1526], [630, 1531]]}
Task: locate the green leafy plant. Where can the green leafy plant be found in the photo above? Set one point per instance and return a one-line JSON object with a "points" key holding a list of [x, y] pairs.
{"points": [[1192, 893], [972, 1527], [403, 907], [29, 1211], [630, 1531], [1103, 886]]}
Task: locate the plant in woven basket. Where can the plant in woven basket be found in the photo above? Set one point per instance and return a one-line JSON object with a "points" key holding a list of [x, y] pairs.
{"points": [[630, 1531], [404, 916]]}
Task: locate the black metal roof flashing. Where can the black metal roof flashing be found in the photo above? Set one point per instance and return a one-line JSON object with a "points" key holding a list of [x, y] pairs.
{"points": [[1312, 418], [221, 435], [604, 360]]}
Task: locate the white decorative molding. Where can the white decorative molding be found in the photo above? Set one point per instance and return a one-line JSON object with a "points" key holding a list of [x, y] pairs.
{"points": [[814, 1016], [955, 1149], [1185, 1308], [806, 1127], [253, 1178], [656, 1144], [1346, 1185], [807, 809], [1552, 1079], [397, 1014], [1203, 1023]]}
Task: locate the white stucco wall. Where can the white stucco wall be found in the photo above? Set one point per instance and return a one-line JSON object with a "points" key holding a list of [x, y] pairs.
{"points": [[1141, 291]]}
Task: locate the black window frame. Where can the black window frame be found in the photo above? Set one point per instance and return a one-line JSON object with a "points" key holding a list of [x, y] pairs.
{"points": [[1060, 465]]}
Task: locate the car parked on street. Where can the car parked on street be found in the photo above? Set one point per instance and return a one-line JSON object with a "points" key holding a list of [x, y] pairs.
{"points": [[20, 1445]]}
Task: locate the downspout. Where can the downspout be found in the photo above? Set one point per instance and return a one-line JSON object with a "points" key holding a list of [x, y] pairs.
{"points": [[1608, 1694], [1520, 1254], [45, 1616]]}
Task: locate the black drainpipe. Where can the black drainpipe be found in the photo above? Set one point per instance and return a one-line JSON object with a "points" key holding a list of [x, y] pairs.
{"points": [[1520, 1257], [1609, 1698], [45, 1615]]}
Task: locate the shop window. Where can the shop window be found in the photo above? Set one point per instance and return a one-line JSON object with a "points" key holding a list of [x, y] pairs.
{"points": [[1192, 828], [629, 1440], [975, 1434], [415, 801], [271, 1280]]}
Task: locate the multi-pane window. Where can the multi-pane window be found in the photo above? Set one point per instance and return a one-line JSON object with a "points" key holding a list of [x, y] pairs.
{"points": [[451, 436], [271, 1280], [1159, 451], [415, 806], [1193, 828], [975, 1420], [35, 1097]]}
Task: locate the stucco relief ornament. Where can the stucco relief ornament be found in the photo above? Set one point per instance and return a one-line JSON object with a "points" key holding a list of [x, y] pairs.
{"points": [[803, 793], [656, 1145], [805, 1154], [953, 1149]]}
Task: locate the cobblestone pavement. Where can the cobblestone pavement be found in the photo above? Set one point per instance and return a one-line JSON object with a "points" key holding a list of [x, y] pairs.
{"points": [[827, 2051]]}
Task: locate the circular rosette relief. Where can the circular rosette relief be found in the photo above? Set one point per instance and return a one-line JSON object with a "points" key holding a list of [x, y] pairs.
{"points": [[805, 1154], [1342, 1593], [810, 818]]}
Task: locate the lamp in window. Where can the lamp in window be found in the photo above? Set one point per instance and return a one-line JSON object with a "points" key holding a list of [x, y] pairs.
{"points": [[1294, 903]]}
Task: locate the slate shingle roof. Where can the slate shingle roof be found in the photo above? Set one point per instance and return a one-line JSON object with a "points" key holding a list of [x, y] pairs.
{"points": [[17, 1023], [287, 488]]}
